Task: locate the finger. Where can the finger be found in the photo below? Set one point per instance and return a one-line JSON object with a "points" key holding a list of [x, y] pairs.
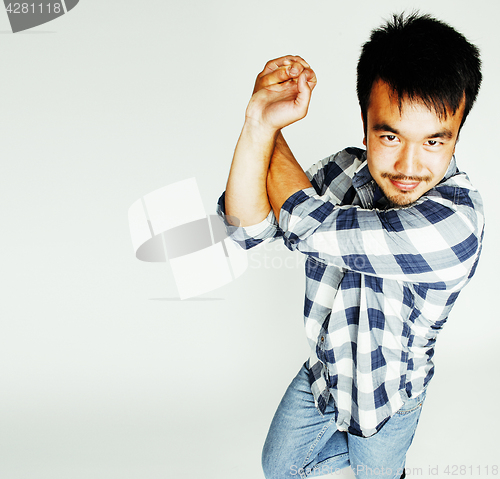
{"points": [[290, 85], [295, 69], [311, 78], [304, 93], [280, 75], [290, 59], [283, 69], [273, 65], [296, 58], [285, 73]]}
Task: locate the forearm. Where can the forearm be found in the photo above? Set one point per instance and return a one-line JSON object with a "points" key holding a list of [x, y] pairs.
{"points": [[281, 97], [246, 192], [285, 176]]}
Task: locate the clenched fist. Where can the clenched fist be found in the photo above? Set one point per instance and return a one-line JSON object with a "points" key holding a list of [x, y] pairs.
{"points": [[282, 93]]}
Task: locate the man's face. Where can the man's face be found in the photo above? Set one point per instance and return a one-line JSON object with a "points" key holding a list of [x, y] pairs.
{"points": [[408, 150]]}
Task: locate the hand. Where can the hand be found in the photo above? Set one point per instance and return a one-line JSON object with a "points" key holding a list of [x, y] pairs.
{"points": [[282, 93], [283, 69]]}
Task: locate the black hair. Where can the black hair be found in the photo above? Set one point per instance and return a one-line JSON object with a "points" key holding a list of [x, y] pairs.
{"points": [[422, 59]]}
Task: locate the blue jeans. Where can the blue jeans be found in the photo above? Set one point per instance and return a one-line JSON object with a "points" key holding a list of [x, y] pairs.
{"points": [[301, 443]]}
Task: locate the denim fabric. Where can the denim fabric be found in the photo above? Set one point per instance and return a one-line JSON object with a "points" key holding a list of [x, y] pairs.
{"points": [[302, 443]]}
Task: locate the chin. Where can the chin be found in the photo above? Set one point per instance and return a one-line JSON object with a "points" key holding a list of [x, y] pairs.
{"points": [[402, 198]]}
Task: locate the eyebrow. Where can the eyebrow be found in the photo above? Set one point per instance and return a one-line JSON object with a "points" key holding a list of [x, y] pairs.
{"points": [[445, 133]]}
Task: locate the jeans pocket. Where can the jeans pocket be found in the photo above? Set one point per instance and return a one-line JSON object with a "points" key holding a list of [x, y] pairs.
{"points": [[412, 404]]}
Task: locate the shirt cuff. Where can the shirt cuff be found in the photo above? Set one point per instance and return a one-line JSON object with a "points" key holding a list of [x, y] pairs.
{"points": [[248, 236]]}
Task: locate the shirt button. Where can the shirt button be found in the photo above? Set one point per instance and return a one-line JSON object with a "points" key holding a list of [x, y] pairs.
{"points": [[322, 338]]}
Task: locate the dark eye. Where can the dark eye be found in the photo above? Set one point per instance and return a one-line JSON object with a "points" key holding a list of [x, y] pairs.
{"points": [[390, 137]]}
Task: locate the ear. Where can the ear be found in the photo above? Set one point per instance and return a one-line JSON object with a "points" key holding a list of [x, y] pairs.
{"points": [[364, 128], [457, 140]]}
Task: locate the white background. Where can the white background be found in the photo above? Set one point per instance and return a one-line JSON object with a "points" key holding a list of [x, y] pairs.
{"points": [[103, 372]]}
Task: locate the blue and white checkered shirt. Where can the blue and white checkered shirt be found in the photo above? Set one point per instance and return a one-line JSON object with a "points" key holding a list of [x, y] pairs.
{"points": [[380, 281]]}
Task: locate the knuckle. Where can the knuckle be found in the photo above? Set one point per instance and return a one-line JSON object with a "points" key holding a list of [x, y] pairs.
{"points": [[283, 73], [272, 64]]}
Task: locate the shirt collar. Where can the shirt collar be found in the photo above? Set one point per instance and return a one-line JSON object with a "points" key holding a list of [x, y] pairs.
{"points": [[452, 169], [362, 175]]}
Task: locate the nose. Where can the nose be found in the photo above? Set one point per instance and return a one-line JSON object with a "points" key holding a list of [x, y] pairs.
{"points": [[408, 163]]}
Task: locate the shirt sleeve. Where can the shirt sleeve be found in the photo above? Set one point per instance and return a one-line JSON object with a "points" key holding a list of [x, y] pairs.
{"points": [[333, 175], [249, 236], [435, 240]]}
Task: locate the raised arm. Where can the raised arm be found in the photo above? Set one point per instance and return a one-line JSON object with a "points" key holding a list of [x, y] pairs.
{"points": [[281, 97], [285, 175]]}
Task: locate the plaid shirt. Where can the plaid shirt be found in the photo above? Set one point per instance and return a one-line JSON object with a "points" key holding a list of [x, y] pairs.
{"points": [[380, 281]]}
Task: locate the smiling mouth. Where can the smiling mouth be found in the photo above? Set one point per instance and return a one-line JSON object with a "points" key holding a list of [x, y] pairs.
{"points": [[405, 185]]}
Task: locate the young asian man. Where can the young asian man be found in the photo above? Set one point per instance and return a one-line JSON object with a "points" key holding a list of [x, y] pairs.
{"points": [[391, 233]]}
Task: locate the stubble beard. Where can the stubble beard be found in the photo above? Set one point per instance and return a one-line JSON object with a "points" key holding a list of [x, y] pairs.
{"points": [[403, 198]]}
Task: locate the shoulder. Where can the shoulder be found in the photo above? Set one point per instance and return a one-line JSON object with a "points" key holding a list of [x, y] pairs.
{"points": [[459, 195], [339, 168], [339, 162]]}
